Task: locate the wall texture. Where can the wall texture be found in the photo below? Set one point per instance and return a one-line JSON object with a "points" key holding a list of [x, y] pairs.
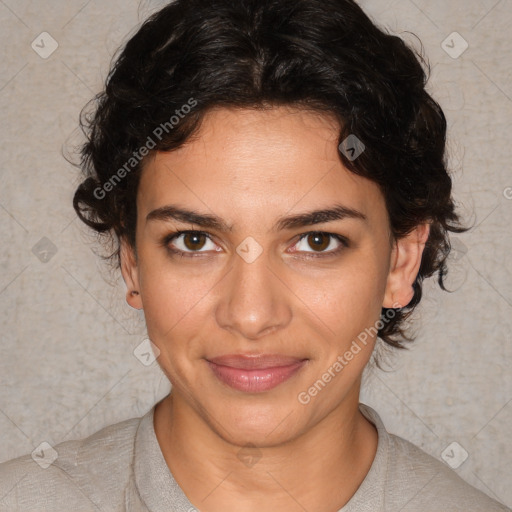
{"points": [[67, 362]]}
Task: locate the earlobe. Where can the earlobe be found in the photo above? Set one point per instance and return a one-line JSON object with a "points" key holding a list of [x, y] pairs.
{"points": [[129, 270], [405, 264]]}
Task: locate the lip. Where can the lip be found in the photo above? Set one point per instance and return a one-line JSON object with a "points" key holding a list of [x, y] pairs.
{"points": [[254, 373]]}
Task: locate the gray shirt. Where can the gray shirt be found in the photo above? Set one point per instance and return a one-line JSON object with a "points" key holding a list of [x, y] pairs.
{"points": [[121, 468]]}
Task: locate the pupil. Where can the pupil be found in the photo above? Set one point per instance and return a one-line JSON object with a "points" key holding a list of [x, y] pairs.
{"points": [[196, 243], [317, 240]]}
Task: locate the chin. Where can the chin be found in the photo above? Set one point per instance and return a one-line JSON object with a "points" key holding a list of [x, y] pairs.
{"points": [[262, 426]]}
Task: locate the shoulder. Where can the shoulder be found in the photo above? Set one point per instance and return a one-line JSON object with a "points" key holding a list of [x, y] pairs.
{"points": [[427, 484], [79, 474]]}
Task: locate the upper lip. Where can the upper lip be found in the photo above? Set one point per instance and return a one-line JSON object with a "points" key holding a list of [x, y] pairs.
{"points": [[255, 361]]}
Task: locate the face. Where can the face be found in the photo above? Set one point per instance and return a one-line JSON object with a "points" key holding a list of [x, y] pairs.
{"points": [[258, 299]]}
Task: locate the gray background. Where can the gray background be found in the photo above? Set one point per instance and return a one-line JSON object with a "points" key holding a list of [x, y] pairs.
{"points": [[67, 362]]}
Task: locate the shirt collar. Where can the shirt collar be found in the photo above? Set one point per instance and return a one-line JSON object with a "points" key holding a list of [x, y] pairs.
{"points": [[370, 494], [154, 489], [155, 484]]}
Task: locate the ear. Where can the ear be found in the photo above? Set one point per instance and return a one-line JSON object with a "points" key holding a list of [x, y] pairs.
{"points": [[130, 273], [405, 265]]}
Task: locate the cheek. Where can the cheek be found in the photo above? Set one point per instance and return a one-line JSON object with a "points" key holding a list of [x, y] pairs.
{"points": [[175, 313], [338, 302], [350, 297], [175, 308]]}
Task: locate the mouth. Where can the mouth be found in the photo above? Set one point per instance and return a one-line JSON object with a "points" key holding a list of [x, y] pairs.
{"points": [[255, 373]]}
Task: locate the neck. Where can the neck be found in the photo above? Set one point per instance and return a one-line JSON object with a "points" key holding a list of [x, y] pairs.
{"points": [[319, 470]]}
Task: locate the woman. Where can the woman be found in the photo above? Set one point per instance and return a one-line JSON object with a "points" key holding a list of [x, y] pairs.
{"points": [[272, 174]]}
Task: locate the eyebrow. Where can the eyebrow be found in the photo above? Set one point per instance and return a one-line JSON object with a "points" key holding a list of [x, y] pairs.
{"points": [[336, 212]]}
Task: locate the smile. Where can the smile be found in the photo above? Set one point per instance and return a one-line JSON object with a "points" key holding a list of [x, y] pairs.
{"points": [[253, 374]]}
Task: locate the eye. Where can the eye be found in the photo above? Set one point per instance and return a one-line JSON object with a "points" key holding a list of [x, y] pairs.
{"points": [[191, 243], [320, 242], [187, 242]]}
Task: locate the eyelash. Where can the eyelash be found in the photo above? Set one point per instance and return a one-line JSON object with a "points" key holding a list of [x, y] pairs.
{"points": [[194, 254]]}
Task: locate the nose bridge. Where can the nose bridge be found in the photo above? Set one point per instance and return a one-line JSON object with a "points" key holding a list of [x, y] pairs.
{"points": [[253, 300]]}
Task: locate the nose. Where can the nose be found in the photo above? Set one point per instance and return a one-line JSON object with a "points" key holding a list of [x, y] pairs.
{"points": [[253, 301]]}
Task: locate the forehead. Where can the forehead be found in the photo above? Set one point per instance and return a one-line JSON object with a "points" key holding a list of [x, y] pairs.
{"points": [[258, 162]]}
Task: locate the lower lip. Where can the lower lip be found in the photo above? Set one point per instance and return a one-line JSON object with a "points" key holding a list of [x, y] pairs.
{"points": [[254, 381]]}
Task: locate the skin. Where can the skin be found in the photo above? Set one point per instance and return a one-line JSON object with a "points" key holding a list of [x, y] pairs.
{"points": [[251, 168]]}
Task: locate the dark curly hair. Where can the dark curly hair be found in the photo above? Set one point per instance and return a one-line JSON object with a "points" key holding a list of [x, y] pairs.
{"points": [[322, 55]]}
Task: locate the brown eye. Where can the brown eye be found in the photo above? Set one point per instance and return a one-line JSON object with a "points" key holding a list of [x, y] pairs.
{"points": [[320, 244], [319, 241], [189, 243], [194, 241]]}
